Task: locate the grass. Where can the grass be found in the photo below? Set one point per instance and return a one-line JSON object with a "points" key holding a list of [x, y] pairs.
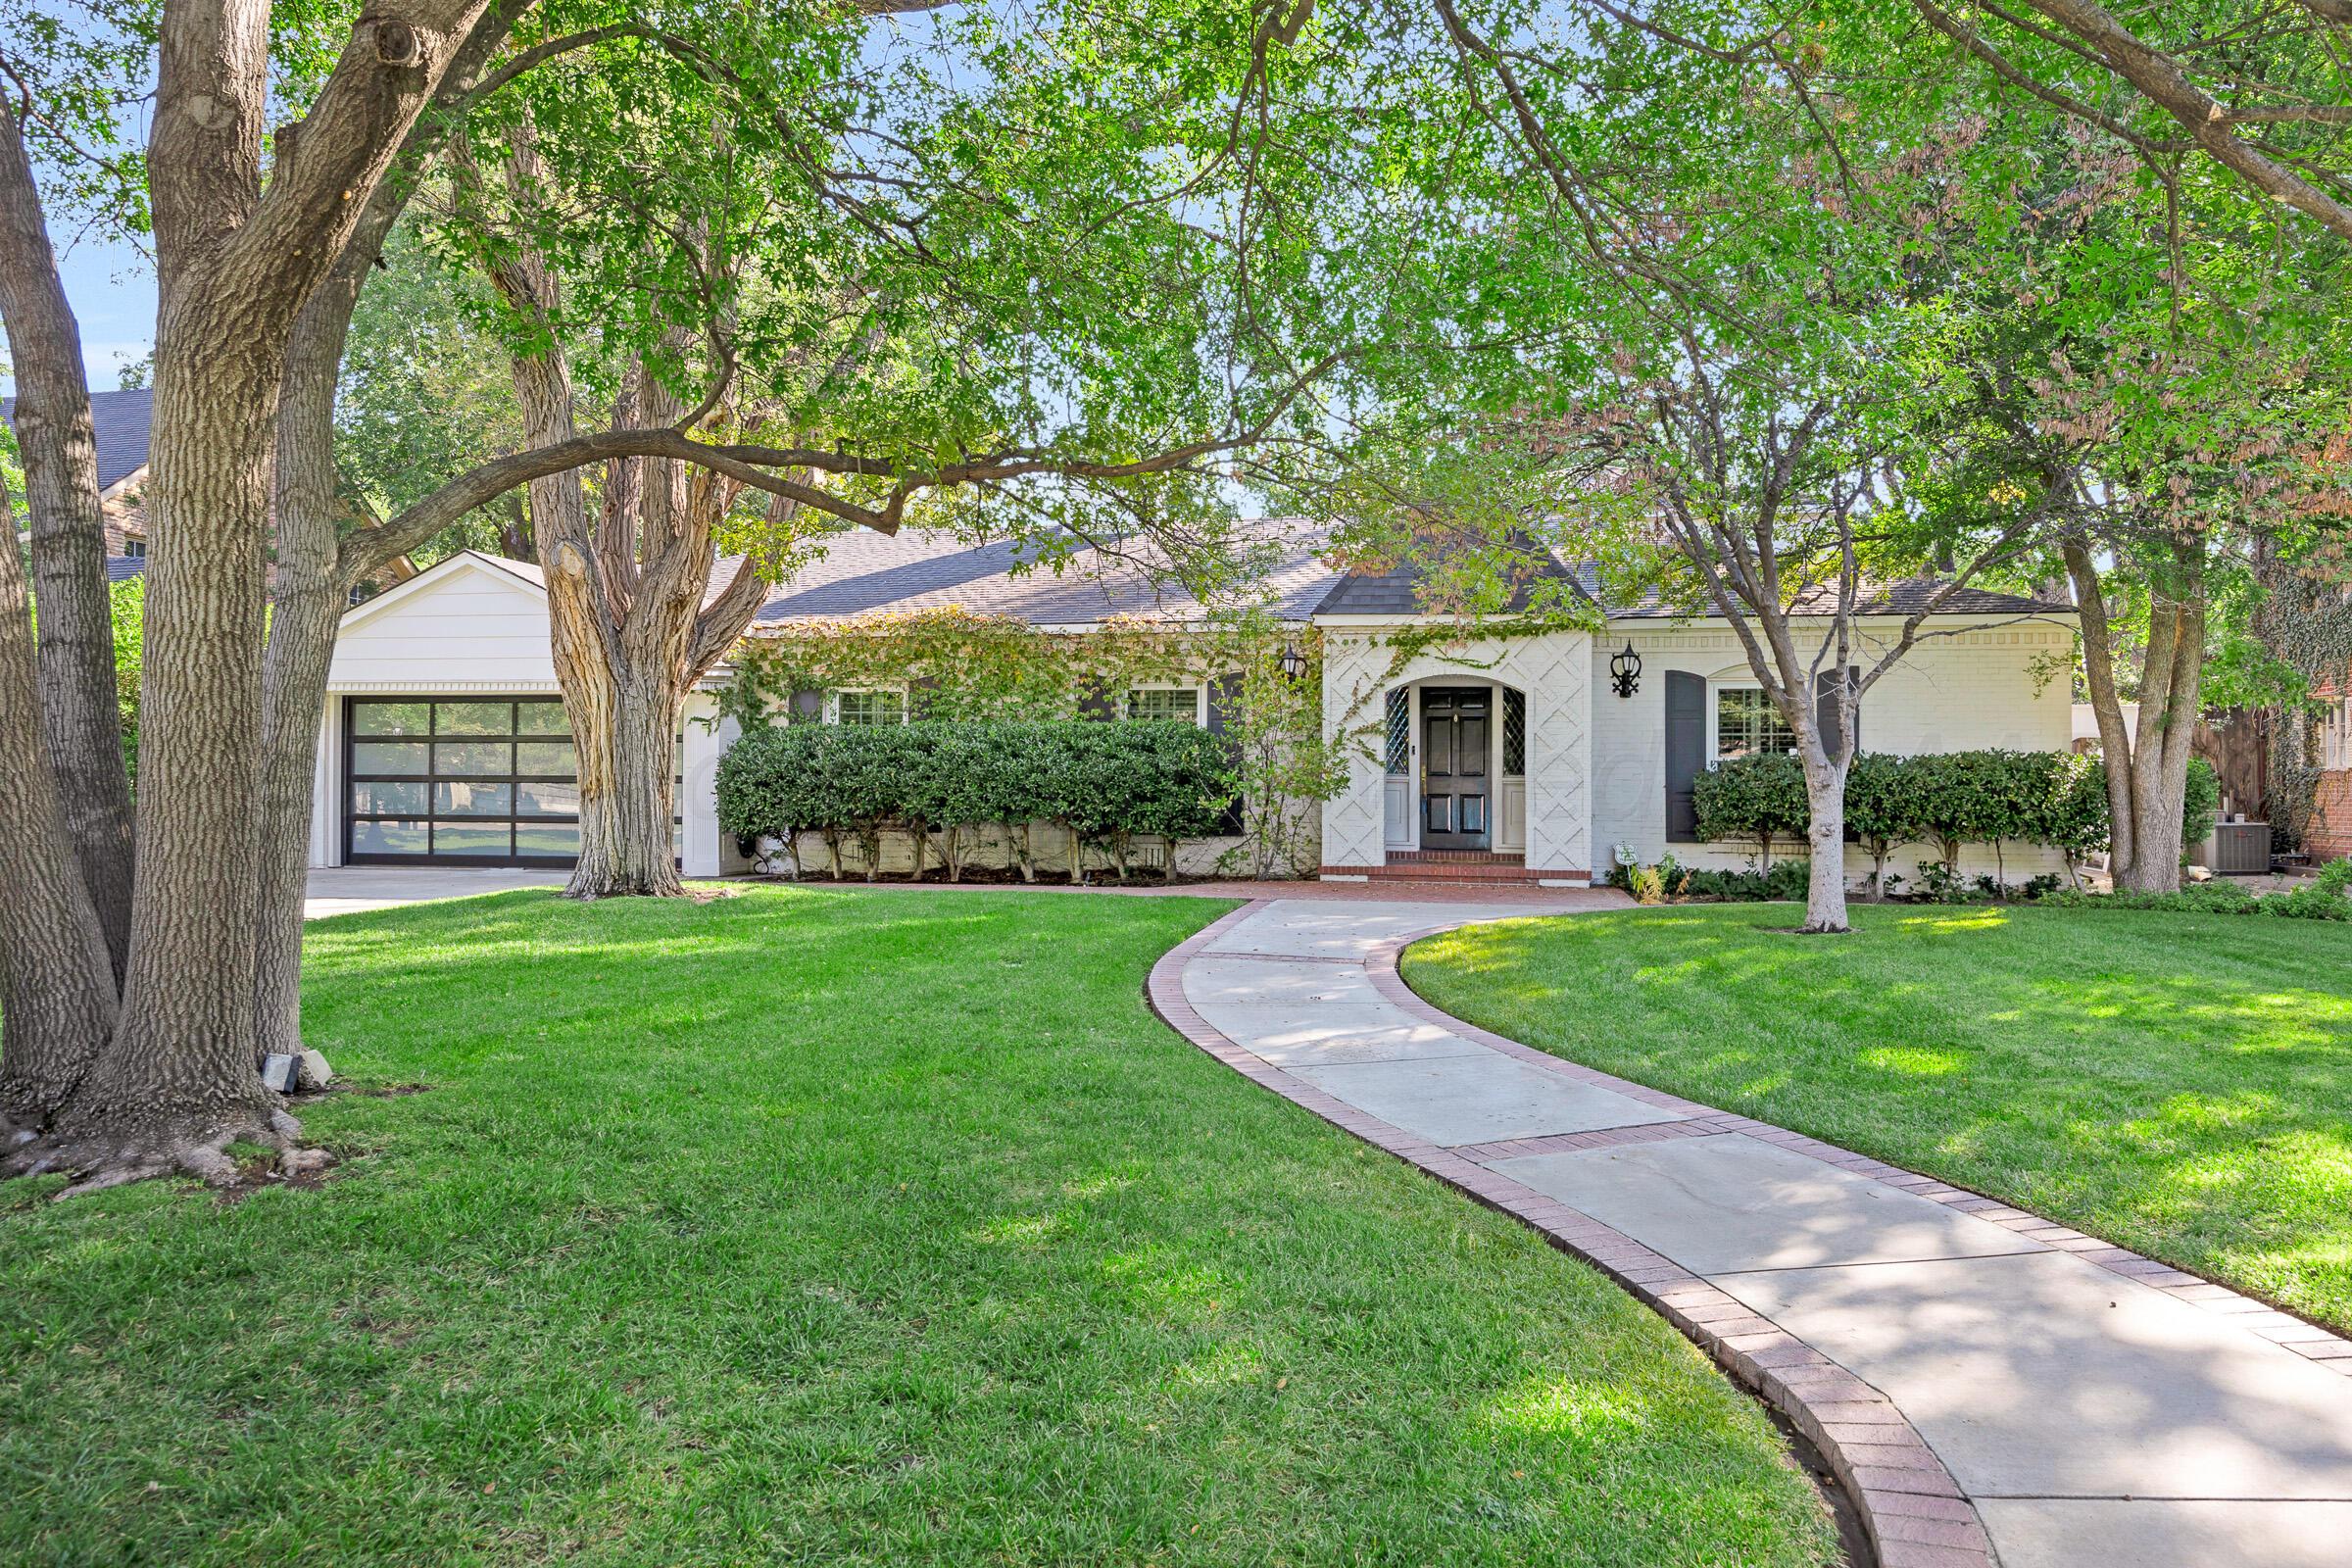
{"points": [[841, 1228], [2181, 1085]]}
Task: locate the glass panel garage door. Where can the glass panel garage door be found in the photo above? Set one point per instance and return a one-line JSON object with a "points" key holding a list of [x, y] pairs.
{"points": [[486, 781]]}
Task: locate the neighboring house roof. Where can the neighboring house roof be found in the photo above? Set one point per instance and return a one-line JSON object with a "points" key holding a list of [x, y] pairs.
{"points": [[121, 421], [120, 569]]}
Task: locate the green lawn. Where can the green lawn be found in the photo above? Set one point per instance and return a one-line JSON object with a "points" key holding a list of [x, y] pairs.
{"points": [[833, 1227], [2179, 1083]]}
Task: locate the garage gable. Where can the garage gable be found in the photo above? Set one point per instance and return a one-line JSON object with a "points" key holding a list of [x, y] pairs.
{"points": [[472, 622]]}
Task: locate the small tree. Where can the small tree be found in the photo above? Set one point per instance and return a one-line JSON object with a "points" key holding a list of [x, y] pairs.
{"points": [[1883, 809], [1761, 797]]}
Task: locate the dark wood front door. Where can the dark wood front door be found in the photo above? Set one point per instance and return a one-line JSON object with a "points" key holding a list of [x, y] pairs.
{"points": [[1456, 801]]}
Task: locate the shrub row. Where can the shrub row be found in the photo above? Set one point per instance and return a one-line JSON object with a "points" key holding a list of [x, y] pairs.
{"points": [[1942, 799], [1107, 784]]}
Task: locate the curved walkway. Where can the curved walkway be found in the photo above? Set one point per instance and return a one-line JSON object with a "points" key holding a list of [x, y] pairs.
{"points": [[1989, 1386]]}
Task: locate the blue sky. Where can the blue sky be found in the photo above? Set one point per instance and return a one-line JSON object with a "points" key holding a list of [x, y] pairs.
{"points": [[113, 293]]}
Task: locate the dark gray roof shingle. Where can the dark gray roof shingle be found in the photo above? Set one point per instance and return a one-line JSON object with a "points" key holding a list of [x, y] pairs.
{"points": [[121, 421]]}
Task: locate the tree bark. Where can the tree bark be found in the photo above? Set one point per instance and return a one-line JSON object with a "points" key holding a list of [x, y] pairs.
{"points": [[2147, 773], [75, 656], [57, 991], [1825, 833]]}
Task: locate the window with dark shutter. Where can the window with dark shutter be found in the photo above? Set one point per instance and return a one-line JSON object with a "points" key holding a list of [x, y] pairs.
{"points": [[1825, 708], [1685, 752]]}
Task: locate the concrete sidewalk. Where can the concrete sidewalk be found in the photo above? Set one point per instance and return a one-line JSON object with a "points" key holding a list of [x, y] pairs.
{"points": [[1989, 1386]]}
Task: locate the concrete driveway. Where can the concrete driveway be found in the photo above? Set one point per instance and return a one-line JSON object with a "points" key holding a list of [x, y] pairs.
{"points": [[348, 889]]}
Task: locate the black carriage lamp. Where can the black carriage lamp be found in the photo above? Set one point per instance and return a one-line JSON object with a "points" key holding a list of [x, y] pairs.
{"points": [[1625, 672], [1293, 661]]}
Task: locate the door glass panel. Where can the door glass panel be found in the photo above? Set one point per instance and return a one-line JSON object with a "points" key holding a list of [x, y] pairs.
{"points": [[388, 800], [474, 718], [472, 758], [546, 838], [489, 765], [545, 759], [454, 838], [547, 800], [391, 718], [474, 800], [390, 757], [389, 838]]}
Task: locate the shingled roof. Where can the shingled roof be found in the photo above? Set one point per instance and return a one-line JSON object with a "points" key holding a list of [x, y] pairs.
{"points": [[121, 421], [860, 572]]}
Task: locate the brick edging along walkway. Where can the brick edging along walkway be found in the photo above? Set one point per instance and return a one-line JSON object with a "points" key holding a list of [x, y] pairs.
{"points": [[1915, 1514]]}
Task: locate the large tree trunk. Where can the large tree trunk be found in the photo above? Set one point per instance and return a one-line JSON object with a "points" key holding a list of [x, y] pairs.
{"points": [[625, 733], [312, 590], [57, 992], [75, 654], [180, 1079], [2147, 773]]}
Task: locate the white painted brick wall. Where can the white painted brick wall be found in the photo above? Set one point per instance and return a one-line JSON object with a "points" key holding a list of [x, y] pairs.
{"points": [[2008, 686]]}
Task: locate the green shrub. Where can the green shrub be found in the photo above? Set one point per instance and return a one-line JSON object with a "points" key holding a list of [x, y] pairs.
{"points": [[1882, 809], [1945, 799], [2324, 898], [1107, 784], [2201, 801], [1759, 797]]}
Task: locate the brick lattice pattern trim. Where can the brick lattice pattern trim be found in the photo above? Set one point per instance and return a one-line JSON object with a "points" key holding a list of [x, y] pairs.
{"points": [[1915, 1514]]}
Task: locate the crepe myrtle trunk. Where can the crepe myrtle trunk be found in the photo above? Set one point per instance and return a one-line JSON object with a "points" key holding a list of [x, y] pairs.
{"points": [[1825, 834]]}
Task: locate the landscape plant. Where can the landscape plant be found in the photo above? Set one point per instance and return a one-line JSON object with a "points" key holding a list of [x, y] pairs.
{"points": [[1944, 798], [1106, 785]]}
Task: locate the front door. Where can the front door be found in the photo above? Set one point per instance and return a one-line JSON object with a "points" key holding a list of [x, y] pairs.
{"points": [[1455, 728]]}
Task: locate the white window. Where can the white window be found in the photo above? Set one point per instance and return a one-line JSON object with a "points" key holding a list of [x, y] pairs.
{"points": [[1747, 723], [1179, 702], [871, 707], [2335, 737], [134, 550]]}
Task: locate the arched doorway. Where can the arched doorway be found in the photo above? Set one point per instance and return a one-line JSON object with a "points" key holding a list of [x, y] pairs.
{"points": [[1456, 767]]}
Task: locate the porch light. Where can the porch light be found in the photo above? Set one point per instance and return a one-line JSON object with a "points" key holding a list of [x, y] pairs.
{"points": [[1625, 672], [1293, 661]]}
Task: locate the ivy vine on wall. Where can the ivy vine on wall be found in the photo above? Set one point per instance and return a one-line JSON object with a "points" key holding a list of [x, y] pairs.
{"points": [[957, 665]]}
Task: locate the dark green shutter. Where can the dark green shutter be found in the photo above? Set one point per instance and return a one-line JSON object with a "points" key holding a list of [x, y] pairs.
{"points": [[1685, 752]]}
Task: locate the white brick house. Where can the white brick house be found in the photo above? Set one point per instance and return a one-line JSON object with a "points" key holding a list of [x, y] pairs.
{"points": [[1514, 755]]}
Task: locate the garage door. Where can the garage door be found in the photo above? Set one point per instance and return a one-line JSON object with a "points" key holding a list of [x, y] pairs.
{"points": [[482, 781]]}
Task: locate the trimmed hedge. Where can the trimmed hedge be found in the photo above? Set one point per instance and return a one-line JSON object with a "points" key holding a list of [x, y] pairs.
{"points": [[1107, 784], [1942, 799]]}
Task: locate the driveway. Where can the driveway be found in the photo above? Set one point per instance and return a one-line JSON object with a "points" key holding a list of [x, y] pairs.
{"points": [[349, 889]]}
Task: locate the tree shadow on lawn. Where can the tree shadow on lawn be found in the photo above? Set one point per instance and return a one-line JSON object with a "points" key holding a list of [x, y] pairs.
{"points": [[925, 1243]]}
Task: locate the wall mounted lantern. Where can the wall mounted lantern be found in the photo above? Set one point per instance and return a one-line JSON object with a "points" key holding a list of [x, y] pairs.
{"points": [[1625, 672], [1293, 661]]}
